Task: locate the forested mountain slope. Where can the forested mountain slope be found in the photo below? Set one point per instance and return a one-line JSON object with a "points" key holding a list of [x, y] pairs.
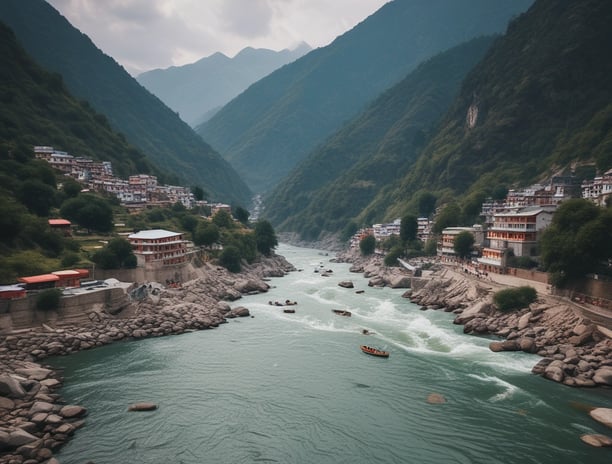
{"points": [[146, 122], [274, 124], [37, 109], [541, 100], [341, 177], [197, 89]]}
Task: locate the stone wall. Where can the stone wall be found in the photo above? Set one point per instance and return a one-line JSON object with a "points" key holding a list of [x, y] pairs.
{"points": [[536, 276], [178, 273], [22, 313]]}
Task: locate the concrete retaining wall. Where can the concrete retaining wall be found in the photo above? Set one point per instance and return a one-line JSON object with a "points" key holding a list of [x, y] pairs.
{"points": [[22, 313]]}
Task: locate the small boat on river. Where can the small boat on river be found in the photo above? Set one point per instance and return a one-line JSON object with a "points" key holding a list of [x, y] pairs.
{"points": [[342, 312], [374, 351]]}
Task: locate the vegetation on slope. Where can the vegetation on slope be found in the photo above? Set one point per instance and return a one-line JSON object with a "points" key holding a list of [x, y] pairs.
{"points": [[341, 177], [145, 120], [275, 123], [538, 102]]}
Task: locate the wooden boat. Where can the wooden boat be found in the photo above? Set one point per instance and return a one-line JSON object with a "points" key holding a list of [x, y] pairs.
{"points": [[341, 312], [374, 351], [288, 310]]}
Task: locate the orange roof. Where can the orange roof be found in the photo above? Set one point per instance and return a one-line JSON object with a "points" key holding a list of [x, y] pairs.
{"points": [[59, 222], [83, 272], [38, 279]]}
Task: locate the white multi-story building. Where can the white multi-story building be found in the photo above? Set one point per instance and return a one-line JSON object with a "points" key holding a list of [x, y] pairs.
{"points": [[599, 189]]}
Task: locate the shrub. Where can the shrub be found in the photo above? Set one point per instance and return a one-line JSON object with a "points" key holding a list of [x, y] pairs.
{"points": [[514, 298], [230, 259], [48, 300], [367, 245]]}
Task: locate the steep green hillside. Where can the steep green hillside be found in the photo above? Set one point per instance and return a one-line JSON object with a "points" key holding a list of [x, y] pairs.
{"points": [[339, 179], [97, 78], [199, 88], [275, 123], [37, 109], [540, 100]]}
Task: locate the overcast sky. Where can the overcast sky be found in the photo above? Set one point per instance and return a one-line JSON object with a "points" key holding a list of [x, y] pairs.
{"points": [[147, 34]]}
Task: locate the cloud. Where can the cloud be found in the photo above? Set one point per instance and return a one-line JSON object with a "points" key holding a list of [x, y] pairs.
{"points": [[146, 34]]}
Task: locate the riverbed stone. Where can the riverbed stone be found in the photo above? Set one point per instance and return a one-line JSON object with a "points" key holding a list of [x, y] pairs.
{"points": [[19, 437], [596, 440], [71, 411], [603, 375], [346, 284], [602, 415], [143, 406]]}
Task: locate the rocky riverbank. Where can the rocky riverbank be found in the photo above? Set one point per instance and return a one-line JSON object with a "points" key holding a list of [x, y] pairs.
{"points": [[34, 422]]}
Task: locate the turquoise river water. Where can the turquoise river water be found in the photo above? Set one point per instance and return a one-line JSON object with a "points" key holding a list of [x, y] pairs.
{"points": [[295, 388]]}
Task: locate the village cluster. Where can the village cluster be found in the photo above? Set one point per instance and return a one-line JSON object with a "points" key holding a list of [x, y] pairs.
{"points": [[135, 193], [510, 227]]}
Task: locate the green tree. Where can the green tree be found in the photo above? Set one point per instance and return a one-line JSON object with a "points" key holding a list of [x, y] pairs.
{"points": [[265, 237], [37, 196], [463, 243], [71, 187], [450, 216], [578, 241], [427, 204], [242, 215], [391, 257], [206, 234], [198, 193], [89, 211], [367, 245], [408, 228], [123, 250], [230, 258], [509, 299], [223, 220]]}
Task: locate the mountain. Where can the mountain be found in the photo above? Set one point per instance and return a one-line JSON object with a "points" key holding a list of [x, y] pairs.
{"points": [[196, 90], [275, 123], [37, 109], [146, 122], [539, 102], [343, 175]]}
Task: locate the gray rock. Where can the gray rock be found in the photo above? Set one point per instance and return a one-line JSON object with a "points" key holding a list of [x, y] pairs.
{"points": [[9, 386], [555, 371], [41, 406], [142, 407], [19, 438], [400, 282], [35, 373], [346, 284]]}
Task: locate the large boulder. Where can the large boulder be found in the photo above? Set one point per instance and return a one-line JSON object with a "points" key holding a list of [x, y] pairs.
{"points": [[70, 411], [603, 375], [399, 282], [602, 415], [9, 386], [239, 311], [34, 373], [596, 440]]}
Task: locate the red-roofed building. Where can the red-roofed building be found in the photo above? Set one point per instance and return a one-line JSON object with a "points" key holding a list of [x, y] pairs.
{"points": [[62, 225], [9, 292], [39, 282], [71, 278]]}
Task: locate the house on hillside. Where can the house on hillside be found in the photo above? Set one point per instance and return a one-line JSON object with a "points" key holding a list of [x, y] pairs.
{"points": [[63, 226], [446, 245], [158, 247], [514, 233]]}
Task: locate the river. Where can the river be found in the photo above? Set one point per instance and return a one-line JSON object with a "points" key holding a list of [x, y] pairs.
{"points": [[295, 388]]}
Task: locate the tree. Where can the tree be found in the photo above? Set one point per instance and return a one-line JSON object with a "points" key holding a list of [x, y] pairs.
{"points": [[198, 193], [48, 300], [578, 240], [123, 250], [391, 257], [408, 228], [265, 237], [242, 215], [71, 187], [206, 234], [448, 217], [463, 243], [89, 211], [230, 259], [367, 245], [427, 204], [37, 196], [223, 220]]}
